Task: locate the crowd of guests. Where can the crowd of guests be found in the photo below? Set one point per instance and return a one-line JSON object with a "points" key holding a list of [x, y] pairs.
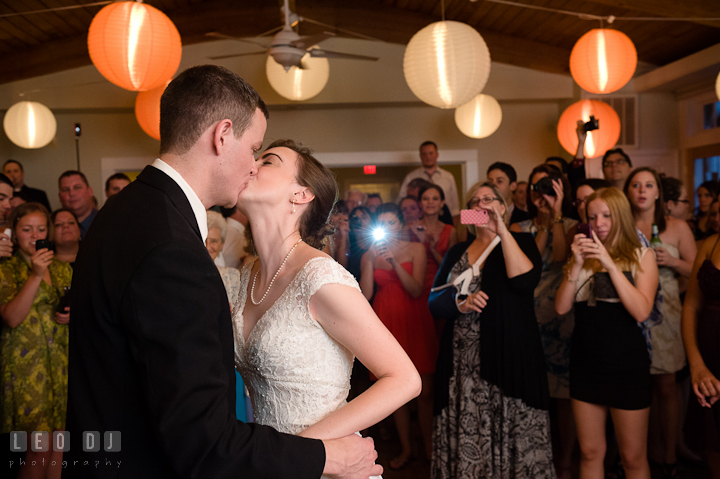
{"points": [[567, 299], [589, 298]]}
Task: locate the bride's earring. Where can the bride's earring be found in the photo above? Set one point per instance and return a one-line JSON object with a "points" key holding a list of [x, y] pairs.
{"points": [[293, 203]]}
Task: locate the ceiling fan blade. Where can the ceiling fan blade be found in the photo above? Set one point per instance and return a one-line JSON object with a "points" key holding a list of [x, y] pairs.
{"points": [[325, 25], [222, 36], [310, 40], [220, 57], [316, 52]]}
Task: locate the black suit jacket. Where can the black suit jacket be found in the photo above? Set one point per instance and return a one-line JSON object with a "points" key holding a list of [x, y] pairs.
{"points": [[151, 351], [34, 195]]}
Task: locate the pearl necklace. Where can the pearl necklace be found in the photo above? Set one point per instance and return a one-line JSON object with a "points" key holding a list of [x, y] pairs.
{"points": [[252, 290]]}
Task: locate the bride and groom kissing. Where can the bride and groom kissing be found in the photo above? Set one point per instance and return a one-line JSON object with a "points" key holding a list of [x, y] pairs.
{"points": [[153, 344]]}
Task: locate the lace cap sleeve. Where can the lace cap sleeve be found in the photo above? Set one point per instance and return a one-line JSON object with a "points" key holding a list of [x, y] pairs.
{"points": [[321, 271]]}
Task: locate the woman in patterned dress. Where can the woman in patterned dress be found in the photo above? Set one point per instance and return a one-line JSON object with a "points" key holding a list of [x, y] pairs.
{"points": [[34, 338]]}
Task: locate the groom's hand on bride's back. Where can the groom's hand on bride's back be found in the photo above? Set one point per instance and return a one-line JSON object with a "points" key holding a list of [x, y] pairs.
{"points": [[351, 457]]}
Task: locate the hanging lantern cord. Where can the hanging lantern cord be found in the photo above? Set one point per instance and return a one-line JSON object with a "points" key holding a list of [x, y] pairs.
{"points": [[442, 7]]}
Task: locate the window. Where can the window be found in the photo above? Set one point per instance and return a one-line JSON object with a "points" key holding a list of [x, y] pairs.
{"points": [[711, 115]]}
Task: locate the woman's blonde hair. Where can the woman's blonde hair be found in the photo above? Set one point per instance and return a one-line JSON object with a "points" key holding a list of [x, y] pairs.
{"points": [[473, 191], [622, 241]]}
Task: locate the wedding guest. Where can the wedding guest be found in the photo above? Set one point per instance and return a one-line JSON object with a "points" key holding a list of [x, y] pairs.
{"points": [[66, 235], [616, 167], [34, 341], [436, 236], [6, 193], [76, 195], [491, 400], [707, 192], [701, 330], [675, 195], [430, 171], [360, 237], [412, 213], [115, 184], [504, 177], [558, 163], [609, 363], [234, 250], [355, 198], [394, 270], [714, 217], [553, 231], [14, 170], [217, 231], [373, 201], [337, 244], [675, 256], [584, 189], [519, 196]]}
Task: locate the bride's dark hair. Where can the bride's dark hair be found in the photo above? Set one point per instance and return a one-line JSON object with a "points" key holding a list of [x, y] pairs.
{"points": [[313, 224]]}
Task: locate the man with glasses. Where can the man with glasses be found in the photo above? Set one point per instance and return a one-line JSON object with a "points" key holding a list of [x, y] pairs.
{"points": [[616, 167]]}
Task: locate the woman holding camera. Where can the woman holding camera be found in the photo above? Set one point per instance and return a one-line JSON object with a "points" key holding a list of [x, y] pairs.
{"points": [[491, 399], [397, 268], [34, 341], [553, 229], [611, 281]]}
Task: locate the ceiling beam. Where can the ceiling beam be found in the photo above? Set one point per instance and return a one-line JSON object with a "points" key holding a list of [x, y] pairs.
{"points": [[254, 17], [670, 8]]}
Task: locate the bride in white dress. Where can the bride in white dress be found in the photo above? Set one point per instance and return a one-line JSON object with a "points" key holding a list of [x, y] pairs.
{"points": [[300, 318]]}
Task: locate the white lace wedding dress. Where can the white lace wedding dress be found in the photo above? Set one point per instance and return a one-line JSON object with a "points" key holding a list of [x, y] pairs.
{"points": [[295, 372]]}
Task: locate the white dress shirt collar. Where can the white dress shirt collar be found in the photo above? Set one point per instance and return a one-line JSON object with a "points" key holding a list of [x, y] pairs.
{"points": [[195, 203]]}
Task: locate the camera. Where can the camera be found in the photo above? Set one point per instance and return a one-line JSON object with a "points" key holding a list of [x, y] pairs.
{"points": [[592, 124], [43, 243], [355, 222], [544, 186]]}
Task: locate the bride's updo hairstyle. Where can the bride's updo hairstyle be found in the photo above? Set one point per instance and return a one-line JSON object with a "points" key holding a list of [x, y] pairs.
{"points": [[313, 224]]}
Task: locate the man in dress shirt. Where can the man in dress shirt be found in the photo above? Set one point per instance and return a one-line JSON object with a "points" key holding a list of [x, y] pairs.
{"points": [[504, 177], [76, 195], [431, 172], [14, 170]]}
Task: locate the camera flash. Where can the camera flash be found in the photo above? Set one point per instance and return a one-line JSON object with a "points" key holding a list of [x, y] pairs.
{"points": [[378, 234]]}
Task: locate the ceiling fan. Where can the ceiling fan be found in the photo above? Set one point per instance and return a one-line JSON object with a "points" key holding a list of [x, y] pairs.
{"points": [[288, 48]]}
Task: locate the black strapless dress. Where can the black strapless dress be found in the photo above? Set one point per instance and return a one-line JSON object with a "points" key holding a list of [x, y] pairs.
{"points": [[702, 425]]}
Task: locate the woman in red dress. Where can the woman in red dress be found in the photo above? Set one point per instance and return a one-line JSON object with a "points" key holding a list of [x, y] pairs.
{"points": [[395, 271]]}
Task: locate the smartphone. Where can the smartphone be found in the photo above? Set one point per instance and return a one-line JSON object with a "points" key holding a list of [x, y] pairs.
{"points": [[64, 302], [585, 229], [8, 233], [43, 243], [474, 217]]}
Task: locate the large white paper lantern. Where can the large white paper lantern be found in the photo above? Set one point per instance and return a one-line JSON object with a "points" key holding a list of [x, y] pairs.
{"points": [[480, 117], [446, 64], [298, 84], [30, 124]]}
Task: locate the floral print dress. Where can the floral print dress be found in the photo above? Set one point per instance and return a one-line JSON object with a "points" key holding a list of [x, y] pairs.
{"points": [[34, 354]]}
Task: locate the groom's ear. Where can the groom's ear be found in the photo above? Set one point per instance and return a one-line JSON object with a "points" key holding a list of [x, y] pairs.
{"points": [[304, 196], [221, 133]]}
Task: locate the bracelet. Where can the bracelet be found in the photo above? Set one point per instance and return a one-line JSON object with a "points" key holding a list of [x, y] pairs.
{"points": [[543, 229], [558, 220], [573, 281]]}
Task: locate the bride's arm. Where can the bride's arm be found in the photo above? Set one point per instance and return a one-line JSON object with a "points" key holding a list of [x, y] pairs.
{"points": [[346, 316]]}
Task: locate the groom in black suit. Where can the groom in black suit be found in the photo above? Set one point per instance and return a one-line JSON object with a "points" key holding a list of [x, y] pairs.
{"points": [[151, 341]]}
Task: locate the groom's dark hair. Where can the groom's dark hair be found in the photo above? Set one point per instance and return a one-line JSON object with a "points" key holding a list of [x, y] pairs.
{"points": [[199, 97]]}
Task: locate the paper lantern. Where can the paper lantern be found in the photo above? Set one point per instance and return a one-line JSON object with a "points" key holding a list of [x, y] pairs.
{"points": [[603, 61], [598, 141], [717, 87], [147, 110], [446, 64], [30, 124], [299, 84], [480, 117], [134, 45]]}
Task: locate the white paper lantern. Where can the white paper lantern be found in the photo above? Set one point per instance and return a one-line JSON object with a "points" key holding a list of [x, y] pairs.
{"points": [[298, 84], [446, 64], [717, 87], [480, 117], [30, 124]]}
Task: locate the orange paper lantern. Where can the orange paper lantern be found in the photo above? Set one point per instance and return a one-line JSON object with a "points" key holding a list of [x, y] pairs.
{"points": [[598, 141], [135, 46], [603, 61], [147, 110]]}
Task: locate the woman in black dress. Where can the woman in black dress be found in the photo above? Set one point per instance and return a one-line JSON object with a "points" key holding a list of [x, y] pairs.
{"points": [[612, 281], [701, 333], [491, 402]]}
